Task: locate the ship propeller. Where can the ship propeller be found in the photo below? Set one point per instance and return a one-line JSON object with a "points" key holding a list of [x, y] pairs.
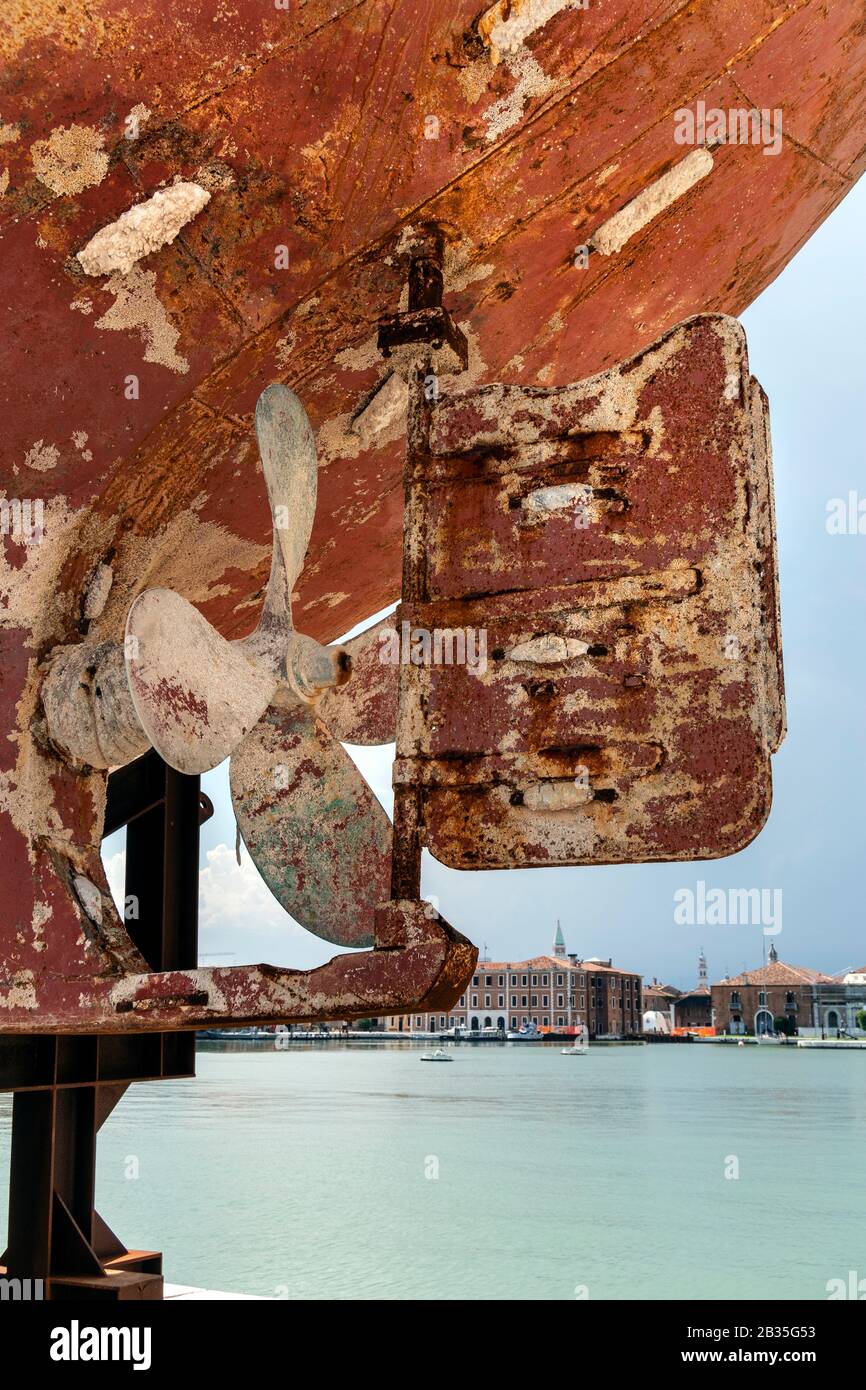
{"points": [[278, 703]]}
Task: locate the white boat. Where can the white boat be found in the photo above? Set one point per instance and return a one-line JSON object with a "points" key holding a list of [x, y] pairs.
{"points": [[438, 1056], [579, 1046], [527, 1032], [835, 1044]]}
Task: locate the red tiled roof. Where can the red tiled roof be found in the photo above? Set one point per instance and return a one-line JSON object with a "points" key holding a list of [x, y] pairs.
{"points": [[488, 967], [778, 972]]}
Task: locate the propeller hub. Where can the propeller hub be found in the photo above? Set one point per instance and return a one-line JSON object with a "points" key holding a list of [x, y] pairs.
{"points": [[312, 669]]}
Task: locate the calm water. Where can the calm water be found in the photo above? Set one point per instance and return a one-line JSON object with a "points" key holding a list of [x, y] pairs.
{"points": [[304, 1173]]}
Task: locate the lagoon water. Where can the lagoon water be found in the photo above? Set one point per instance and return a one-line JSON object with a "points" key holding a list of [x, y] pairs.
{"points": [[356, 1171]]}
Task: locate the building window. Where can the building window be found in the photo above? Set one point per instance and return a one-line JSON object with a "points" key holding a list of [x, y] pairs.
{"points": [[514, 1001], [559, 1001], [581, 979], [488, 979], [583, 1001], [535, 979], [544, 979], [735, 1000], [545, 1022], [501, 981], [475, 979], [487, 1001], [559, 979], [560, 1022], [762, 996], [475, 1001], [534, 1001], [524, 980], [544, 1001], [523, 1000], [514, 1022]]}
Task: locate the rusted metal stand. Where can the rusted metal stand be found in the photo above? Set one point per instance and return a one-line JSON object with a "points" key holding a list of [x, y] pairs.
{"points": [[65, 1087]]}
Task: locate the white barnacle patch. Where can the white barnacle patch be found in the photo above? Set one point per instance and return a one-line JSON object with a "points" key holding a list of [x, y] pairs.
{"points": [[98, 589], [42, 912], [386, 408], [89, 896], [559, 498], [556, 796], [137, 306], [42, 456], [71, 159], [144, 228], [613, 234], [20, 992], [548, 649], [507, 24], [531, 81]]}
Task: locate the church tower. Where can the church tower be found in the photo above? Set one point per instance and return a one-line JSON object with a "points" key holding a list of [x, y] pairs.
{"points": [[559, 943], [703, 982]]}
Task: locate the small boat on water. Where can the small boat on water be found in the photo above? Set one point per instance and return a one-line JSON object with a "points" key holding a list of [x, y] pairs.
{"points": [[834, 1044], [438, 1056], [580, 1044], [527, 1032]]}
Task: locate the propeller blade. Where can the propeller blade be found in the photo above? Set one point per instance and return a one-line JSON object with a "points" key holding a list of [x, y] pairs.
{"points": [[195, 694], [288, 453], [364, 710], [319, 838]]}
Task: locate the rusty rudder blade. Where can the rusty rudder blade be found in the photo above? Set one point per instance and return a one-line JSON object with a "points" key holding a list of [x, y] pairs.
{"points": [[614, 542]]}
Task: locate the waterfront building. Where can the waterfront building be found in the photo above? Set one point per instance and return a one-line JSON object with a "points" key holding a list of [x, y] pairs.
{"points": [[695, 1008], [658, 1002], [836, 1005], [752, 1001], [559, 993]]}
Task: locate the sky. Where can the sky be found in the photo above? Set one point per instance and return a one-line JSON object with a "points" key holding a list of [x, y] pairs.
{"points": [[805, 349]]}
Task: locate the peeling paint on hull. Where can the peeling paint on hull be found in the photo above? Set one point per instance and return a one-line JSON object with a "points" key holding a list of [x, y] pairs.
{"points": [[167, 496]]}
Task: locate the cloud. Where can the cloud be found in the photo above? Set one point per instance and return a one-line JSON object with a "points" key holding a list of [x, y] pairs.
{"points": [[239, 918], [234, 896], [115, 871]]}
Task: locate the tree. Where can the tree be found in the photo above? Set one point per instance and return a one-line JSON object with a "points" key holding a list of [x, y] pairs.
{"points": [[861, 1019]]}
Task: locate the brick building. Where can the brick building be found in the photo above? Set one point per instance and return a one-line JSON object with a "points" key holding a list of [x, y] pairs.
{"points": [[694, 1009], [559, 993], [752, 1001]]}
